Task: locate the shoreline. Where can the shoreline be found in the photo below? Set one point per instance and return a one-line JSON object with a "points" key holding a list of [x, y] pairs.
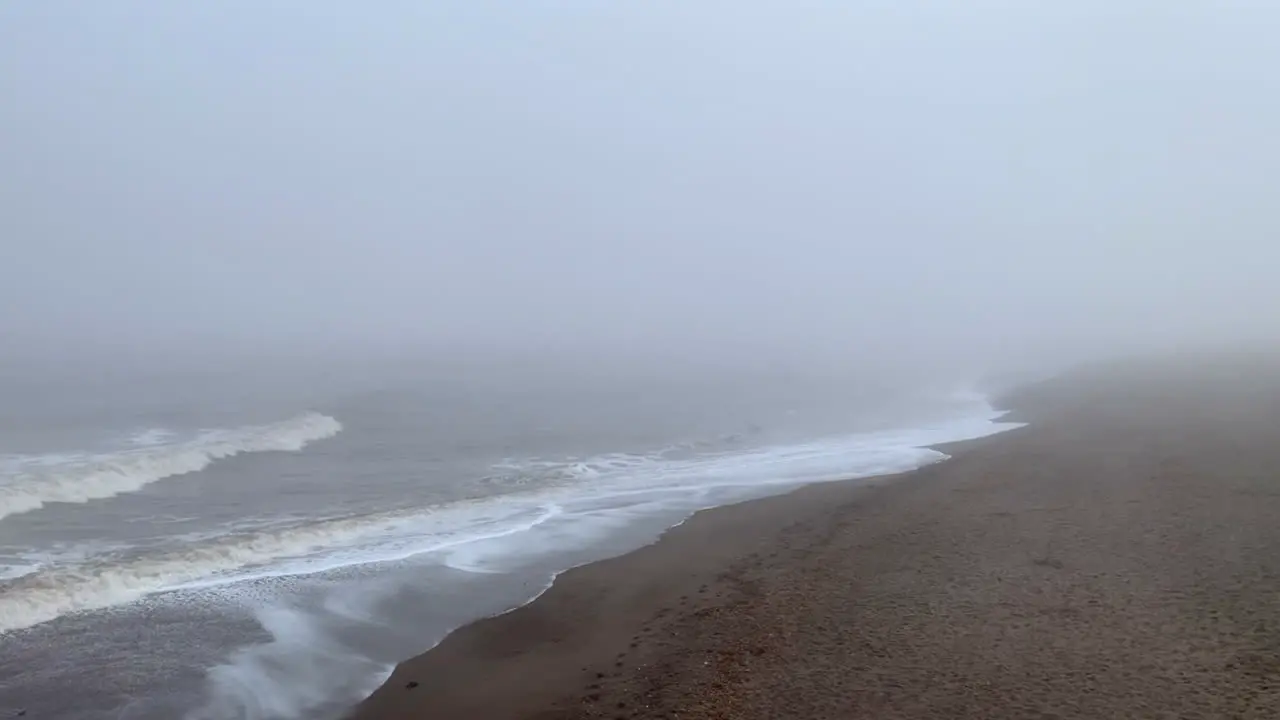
{"points": [[749, 512], [1071, 568], [407, 676]]}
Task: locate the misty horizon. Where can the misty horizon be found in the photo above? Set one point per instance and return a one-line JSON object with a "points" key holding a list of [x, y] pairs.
{"points": [[327, 329], [658, 183]]}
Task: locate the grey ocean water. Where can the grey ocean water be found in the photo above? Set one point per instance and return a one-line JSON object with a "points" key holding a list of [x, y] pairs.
{"points": [[256, 545]]}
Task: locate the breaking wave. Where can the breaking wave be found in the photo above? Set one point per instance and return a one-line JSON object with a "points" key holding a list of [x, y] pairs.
{"points": [[106, 581], [550, 506], [30, 483]]}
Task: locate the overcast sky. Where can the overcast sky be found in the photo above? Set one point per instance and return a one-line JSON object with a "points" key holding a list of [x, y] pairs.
{"points": [[695, 176]]}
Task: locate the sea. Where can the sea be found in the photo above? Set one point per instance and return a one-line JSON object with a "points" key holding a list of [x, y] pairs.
{"points": [[268, 543]]}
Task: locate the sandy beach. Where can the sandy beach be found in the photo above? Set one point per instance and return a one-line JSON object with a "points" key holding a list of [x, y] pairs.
{"points": [[1117, 558]]}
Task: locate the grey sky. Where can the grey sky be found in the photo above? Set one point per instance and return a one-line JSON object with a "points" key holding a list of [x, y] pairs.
{"points": [[715, 176]]}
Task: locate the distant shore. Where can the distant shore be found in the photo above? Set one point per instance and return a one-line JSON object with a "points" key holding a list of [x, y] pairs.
{"points": [[1118, 558]]}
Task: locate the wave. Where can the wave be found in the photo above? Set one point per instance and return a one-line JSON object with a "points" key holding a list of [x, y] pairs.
{"points": [[544, 474], [586, 500], [267, 681], [36, 598], [30, 483], [106, 581], [572, 503], [150, 437], [12, 572]]}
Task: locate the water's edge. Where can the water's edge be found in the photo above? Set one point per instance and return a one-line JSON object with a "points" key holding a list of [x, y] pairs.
{"points": [[948, 450]]}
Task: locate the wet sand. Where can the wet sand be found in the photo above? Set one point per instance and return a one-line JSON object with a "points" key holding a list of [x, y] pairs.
{"points": [[1119, 558]]}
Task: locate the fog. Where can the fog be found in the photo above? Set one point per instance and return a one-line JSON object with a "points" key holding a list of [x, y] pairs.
{"points": [[669, 182]]}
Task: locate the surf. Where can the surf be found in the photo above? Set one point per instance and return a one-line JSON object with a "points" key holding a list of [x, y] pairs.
{"points": [[547, 507], [29, 483]]}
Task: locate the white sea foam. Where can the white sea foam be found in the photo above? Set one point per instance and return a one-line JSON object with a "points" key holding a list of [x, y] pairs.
{"points": [[101, 581], [572, 505], [150, 436], [267, 681], [29, 483], [13, 572], [594, 499]]}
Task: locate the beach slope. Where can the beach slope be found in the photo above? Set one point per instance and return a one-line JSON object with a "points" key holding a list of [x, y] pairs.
{"points": [[1117, 558]]}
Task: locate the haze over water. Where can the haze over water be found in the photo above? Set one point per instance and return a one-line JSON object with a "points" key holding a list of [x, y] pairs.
{"points": [[216, 563], [319, 322]]}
